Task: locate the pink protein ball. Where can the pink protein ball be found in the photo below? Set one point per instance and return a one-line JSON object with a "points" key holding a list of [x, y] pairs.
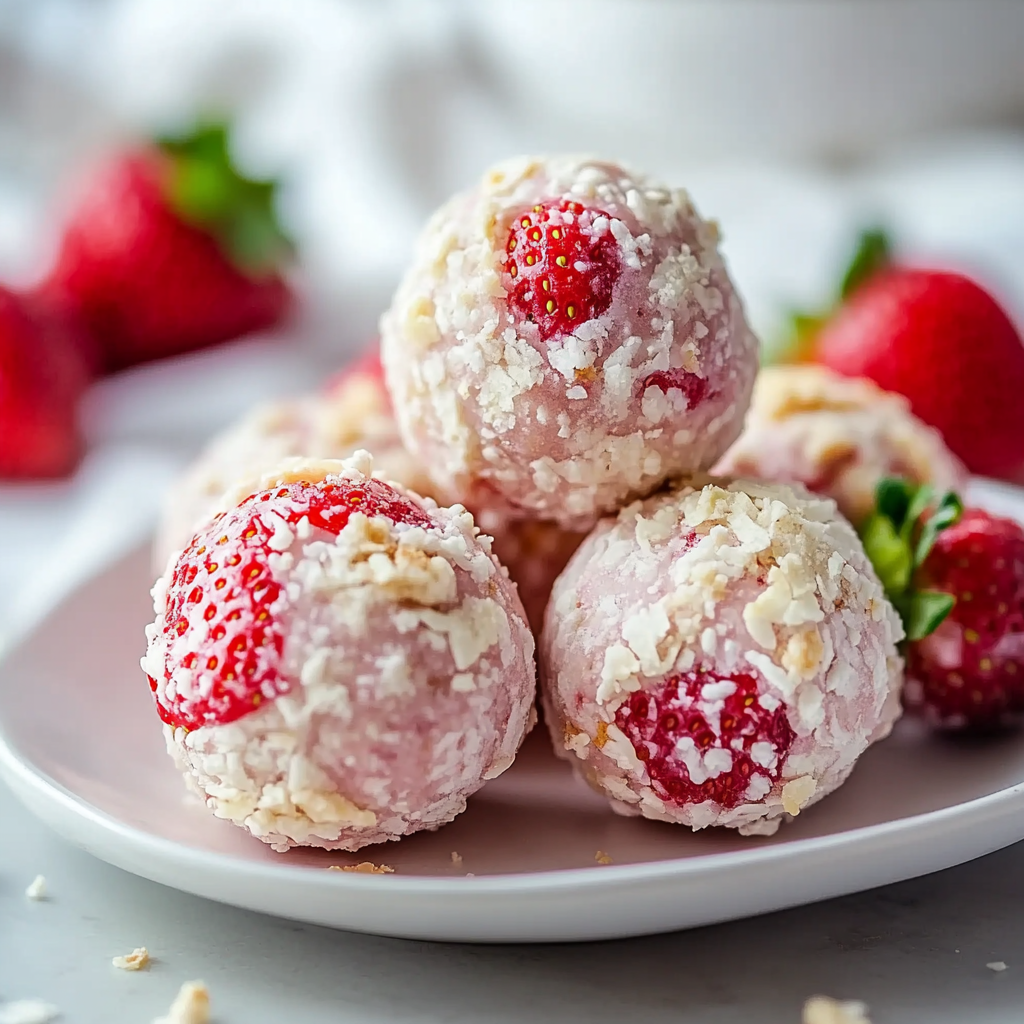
{"points": [[339, 662], [352, 412], [720, 655], [567, 339], [838, 436]]}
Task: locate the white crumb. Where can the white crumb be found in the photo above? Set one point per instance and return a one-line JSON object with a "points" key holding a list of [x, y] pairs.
{"points": [[823, 1010], [37, 888], [28, 1011], [134, 961], [191, 1005], [997, 966]]}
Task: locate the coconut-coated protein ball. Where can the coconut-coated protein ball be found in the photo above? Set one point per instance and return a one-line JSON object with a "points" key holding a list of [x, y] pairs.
{"points": [[566, 339], [352, 412], [338, 662], [720, 655], [838, 436]]}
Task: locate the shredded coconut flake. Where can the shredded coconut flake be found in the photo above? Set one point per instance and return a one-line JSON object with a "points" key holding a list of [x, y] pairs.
{"points": [[136, 960], [37, 888], [823, 1010], [191, 1005], [28, 1011]]}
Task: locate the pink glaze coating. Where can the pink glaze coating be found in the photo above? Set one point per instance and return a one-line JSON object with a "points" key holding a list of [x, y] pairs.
{"points": [[838, 436], [566, 423], [406, 679], [758, 601]]}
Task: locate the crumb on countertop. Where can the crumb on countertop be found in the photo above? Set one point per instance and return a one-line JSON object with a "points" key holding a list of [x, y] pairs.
{"points": [[996, 965], [28, 1011], [191, 1005], [134, 961], [456, 858], [602, 858], [37, 888], [823, 1010], [366, 867]]}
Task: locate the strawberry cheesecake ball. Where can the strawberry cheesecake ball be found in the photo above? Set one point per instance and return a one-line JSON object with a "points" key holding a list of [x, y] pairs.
{"points": [[353, 412], [720, 655], [567, 339], [338, 662], [838, 436]]}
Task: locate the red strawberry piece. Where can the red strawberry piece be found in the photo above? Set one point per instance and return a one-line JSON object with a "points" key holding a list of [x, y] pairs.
{"points": [[169, 249], [944, 343], [226, 607], [693, 387], [969, 673], [558, 272], [704, 737], [43, 371]]}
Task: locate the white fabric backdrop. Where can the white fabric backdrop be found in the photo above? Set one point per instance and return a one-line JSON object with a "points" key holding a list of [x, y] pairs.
{"points": [[377, 111]]}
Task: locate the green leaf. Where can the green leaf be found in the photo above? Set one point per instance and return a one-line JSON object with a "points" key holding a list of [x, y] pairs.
{"points": [[888, 552], [206, 190], [873, 253], [795, 344], [925, 612], [947, 513], [893, 497]]}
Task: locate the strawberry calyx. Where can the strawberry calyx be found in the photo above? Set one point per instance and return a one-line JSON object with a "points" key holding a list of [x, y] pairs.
{"points": [[872, 254], [898, 537], [205, 189]]}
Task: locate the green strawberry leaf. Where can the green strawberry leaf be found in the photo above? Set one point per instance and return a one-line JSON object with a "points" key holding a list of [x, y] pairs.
{"points": [[888, 552], [893, 497], [949, 510], [873, 253], [898, 537], [206, 190], [925, 612]]}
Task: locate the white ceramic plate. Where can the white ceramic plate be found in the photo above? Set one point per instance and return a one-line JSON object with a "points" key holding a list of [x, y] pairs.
{"points": [[81, 746]]}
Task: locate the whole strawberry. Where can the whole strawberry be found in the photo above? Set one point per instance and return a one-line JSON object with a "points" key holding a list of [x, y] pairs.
{"points": [[943, 342], [170, 249], [43, 371], [958, 580]]}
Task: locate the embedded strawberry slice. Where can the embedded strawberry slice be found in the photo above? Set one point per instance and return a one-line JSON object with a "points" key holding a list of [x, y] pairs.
{"points": [[708, 737], [693, 387], [559, 271], [222, 625]]}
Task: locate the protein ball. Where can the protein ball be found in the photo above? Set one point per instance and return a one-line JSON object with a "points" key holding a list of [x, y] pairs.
{"points": [[352, 412], [567, 339], [338, 662], [838, 436], [721, 655]]}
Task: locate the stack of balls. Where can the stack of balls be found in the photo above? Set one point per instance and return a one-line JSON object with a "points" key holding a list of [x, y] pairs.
{"points": [[342, 653]]}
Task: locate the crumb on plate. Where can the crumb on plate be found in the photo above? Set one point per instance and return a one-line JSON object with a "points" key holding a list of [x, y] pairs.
{"points": [[456, 858], [365, 867], [134, 961], [191, 1005], [823, 1010], [602, 858], [37, 888]]}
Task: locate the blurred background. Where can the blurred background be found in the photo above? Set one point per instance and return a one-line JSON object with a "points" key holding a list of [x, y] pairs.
{"points": [[792, 123]]}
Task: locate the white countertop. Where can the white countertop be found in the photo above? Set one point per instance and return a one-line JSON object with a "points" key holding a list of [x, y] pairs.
{"points": [[916, 953]]}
